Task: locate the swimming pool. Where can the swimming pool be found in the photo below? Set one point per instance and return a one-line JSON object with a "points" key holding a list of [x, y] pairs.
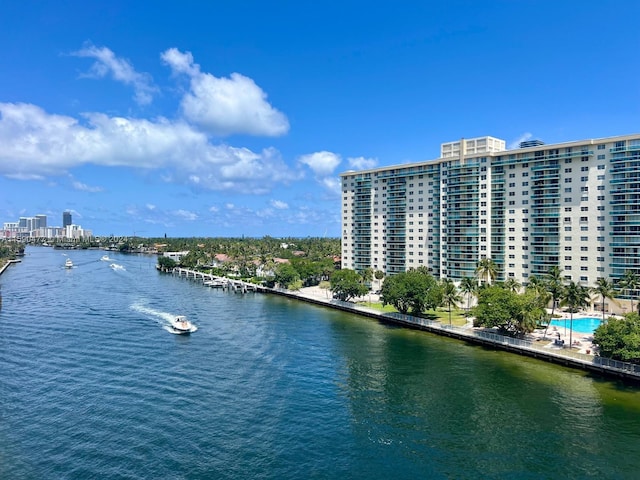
{"points": [[580, 324]]}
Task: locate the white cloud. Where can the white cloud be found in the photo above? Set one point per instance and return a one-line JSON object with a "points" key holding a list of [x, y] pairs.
{"points": [[361, 163], [36, 143], [322, 163], [150, 206], [186, 215], [120, 70], [280, 205], [86, 188], [332, 184], [225, 106], [522, 138], [214, 209]]}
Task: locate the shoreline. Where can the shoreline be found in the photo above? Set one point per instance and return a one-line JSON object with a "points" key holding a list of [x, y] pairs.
{"points": [[530, 346], [6, 265]]}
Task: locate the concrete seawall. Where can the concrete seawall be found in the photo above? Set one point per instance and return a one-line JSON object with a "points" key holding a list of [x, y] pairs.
{"points": [[488, 338], [6, 265], [485, 337]]}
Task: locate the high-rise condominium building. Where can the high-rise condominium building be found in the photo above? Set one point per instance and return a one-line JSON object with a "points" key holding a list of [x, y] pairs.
{"points": [[66, 219], [575, 205]]}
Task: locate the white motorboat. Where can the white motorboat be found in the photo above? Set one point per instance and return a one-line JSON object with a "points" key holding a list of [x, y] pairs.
{"points": [[181, 325], [68, 263], [105, 258]]}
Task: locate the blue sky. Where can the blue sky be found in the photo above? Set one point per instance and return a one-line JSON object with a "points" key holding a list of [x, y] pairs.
{"points": [[235, 118]]}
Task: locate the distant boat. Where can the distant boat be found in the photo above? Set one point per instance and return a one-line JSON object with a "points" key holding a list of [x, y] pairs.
{"points": [[105, 258], [68, 263], [115, 266], [181, 325]]}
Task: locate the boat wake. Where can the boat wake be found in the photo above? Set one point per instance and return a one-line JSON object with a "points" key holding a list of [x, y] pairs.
{"points": [[164, 319], [115, 266]]}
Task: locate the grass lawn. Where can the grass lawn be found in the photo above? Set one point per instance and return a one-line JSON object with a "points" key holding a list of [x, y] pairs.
{"points": [[457, 316]]}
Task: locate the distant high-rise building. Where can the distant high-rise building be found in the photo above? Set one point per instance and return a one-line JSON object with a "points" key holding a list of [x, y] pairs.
{"points": [[41, 221], [66, 219]]}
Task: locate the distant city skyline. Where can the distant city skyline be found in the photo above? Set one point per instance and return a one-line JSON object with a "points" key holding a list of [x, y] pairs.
{"points": [[231, 119], [37, 226]]}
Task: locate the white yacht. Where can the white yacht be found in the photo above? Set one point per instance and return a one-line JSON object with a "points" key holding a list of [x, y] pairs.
{"points": [[181, 325], [68, 263], [105, 258]]}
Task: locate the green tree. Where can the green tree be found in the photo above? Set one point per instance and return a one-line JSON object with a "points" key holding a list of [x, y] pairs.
{"points": [[555, 286], [415, 289], [512, 285], [286, 275], [605, 289], [619, 339], [468, 287], [510, 312], [575, 296], [630, 283], [538, 289], [450, 295], [486, 270], [379, 275], [347, 284], [166, 263], [367, 276]]}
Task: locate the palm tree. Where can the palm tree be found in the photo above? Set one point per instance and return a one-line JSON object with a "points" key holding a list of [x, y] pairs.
{"points": [[575, 296], [605, 289], [468, 287], [450, 295], [487, 270], [540, 290], [629, 283], [555, 285], [512, 285], [379, 275]]}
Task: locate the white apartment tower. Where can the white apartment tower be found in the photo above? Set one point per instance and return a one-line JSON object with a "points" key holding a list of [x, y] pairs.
{"points": [[575, 205]]}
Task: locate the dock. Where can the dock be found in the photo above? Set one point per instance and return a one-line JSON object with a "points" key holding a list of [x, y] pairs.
{"points": [[214, 281]]}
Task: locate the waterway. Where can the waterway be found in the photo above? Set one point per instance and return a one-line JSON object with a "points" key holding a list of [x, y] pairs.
{"points": [[93, 385]]}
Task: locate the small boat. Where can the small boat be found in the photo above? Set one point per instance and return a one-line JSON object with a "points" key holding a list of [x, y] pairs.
{"points": [[68, 263], [181, 325], [105, 258]]}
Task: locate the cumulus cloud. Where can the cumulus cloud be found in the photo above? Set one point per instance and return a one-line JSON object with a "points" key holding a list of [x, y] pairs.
{"points": [[107, 63], [361, 163], [224, 106], [186, 215], [522, 138], [280, 205], [36, 143], [322, 163], [332, 184], [86, 188]]}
